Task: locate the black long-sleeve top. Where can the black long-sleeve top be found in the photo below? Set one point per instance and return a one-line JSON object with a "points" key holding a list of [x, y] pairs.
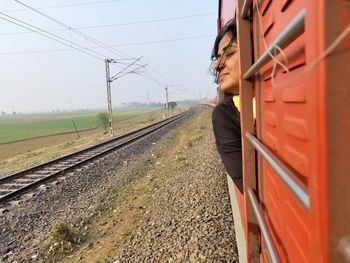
{"points": [[227, 131]]}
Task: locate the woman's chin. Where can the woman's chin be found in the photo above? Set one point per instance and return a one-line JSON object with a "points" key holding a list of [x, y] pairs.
{"points": [[224, 88], [227, 90], [233, 90]]}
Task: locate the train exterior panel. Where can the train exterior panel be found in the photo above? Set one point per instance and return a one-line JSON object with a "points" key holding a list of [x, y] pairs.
{"points": [[295, 61]]}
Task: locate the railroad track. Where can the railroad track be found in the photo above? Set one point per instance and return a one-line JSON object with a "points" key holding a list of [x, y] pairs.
{"points": [[15, 184]]}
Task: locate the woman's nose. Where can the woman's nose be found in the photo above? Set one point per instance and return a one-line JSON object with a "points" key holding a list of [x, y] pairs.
{"points": [[219, 65]]}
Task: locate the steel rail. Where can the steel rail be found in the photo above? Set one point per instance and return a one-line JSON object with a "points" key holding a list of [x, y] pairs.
{"points": [[283, 172], [245, 8], [344, 248], [264, 231], [60, 165], [293, 30]]}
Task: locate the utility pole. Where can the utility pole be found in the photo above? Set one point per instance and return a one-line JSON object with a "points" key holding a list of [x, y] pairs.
{"points": [[166, 100], [110, 79], [109, 98], [148, 101]]}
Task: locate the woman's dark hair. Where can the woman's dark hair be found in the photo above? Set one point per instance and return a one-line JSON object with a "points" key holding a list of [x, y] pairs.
{"points": [[230, 27]]}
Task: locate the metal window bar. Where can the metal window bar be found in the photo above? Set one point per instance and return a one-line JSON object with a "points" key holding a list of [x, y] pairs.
{"points": [[281, 170], [344, 248], [293, 30], [264, 231], [245, 8]]}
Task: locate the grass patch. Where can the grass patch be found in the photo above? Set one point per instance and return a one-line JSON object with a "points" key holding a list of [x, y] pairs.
{"points": [[64, 233], [196, 136], [181, 157], [63, 240]]}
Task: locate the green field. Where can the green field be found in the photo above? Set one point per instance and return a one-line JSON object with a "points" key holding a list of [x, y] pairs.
{"points": [[20, 127]]}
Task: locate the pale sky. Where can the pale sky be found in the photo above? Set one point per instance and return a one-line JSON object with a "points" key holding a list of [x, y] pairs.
{"points": [[39, 74]]}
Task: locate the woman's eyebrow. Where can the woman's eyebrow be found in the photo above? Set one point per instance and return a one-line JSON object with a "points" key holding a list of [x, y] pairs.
{"points": [[228, 46], [225, 49]]}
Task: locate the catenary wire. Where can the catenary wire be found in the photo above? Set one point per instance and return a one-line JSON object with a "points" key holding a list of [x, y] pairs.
{"points": [[117, 45], [113, 50], [128, 66], [38, 32], [70, 43], [56, 38], [67, 5], [77, 32], [118, 24], [91, 39]]}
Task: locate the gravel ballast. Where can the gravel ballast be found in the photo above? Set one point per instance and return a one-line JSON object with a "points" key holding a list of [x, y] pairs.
{"points": [[192, 219]]}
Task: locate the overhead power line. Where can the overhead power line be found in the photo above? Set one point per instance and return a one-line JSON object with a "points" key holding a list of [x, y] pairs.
{"points": [[47, 34], [66, 42], [67, 5], [120, 73], [85, 36], [61, 40], [116, 45], [163, 40], [97, 42], [150, 77], [119, 24]]}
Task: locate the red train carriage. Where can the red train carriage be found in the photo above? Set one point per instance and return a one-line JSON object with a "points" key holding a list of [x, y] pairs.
{"points": [[295, 61]]}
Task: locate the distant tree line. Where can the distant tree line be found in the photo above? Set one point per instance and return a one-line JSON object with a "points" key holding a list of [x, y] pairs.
{"points": [[3, 113], [172, 105], [136, 104]]}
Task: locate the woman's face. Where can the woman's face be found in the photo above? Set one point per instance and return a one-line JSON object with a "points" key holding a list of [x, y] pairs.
{"points": [[226, 67]]}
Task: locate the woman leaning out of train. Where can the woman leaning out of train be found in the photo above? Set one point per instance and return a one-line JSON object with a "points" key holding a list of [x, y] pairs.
{"points": [[226, 117]]}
